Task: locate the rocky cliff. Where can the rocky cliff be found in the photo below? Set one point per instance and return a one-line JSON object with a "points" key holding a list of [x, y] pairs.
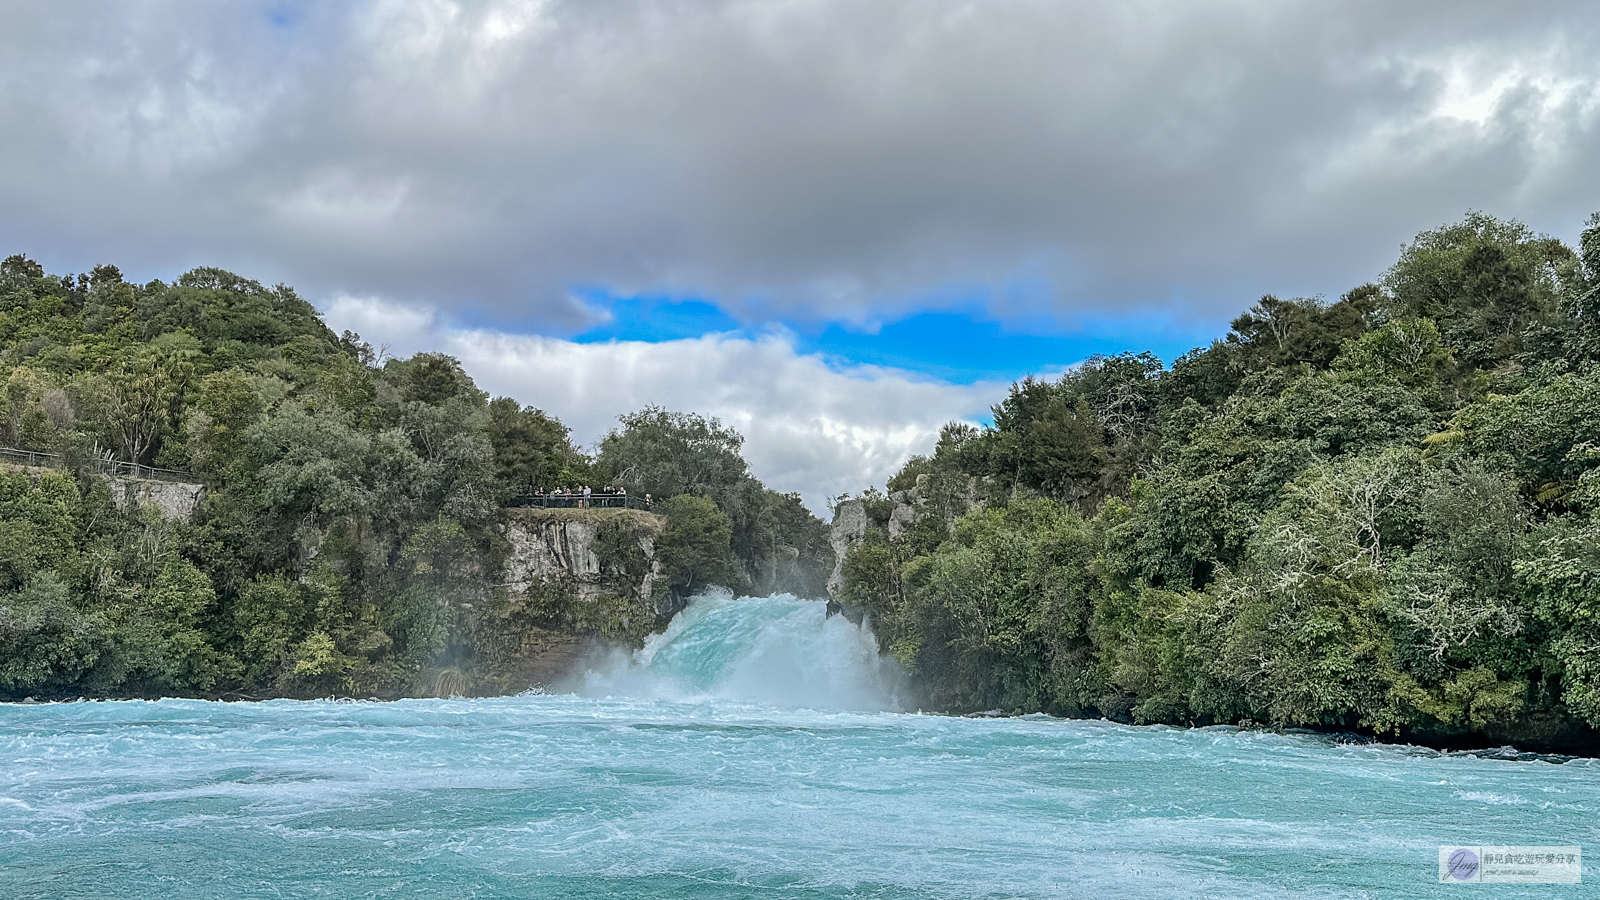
{"points": [[849, 530], [174, 499], [603, 553], [935, 501], [571, 578]]}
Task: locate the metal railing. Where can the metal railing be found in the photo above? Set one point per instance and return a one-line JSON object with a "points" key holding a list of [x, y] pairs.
{"points": [[41, 460], [553, 500]]}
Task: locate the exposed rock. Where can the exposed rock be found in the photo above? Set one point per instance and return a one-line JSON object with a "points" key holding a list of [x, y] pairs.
{"points": [[558, 544], [945, 497], [175, 499], [647, 584], [571, 578], [849, 529], [901, 518], [544, 656]]}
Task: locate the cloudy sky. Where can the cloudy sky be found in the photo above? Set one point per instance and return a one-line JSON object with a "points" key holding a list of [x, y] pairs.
{"points": [[833, 223]]}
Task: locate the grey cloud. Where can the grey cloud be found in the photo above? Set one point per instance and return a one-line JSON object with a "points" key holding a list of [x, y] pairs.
{"points": [[830, 158]]}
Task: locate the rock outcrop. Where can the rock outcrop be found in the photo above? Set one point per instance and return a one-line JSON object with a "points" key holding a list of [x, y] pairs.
{"points": [[849, 529], [566, 545], [941, 498], [175, 499], [571, 578]]}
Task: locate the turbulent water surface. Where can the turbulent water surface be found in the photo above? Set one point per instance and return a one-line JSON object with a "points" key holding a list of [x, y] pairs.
{"points": [[753, 750]]}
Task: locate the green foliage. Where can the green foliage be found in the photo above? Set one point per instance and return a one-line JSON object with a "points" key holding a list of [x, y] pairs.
{"points": [[1484, 281], [1409, 352], [348, 536], [1578, 338], [1278, 334], [617, 547], [1540, 434], [1082, 438], [998, 616], [169, 634], [666, 454], [225, 407], [1559, 572], [531, 450], [270, 618], [1375, 514], [695, 550], [778, 545], [38, 527], [46, 641]]}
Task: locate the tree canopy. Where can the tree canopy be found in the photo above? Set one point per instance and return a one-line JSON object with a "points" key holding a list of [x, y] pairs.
{"points": [[1374, 514], [349, 536]]}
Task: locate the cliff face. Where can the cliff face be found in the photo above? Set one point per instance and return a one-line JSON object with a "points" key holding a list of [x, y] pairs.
{"points": [[849, 529], [939, 498], [604, 554], [175, 499], [570, 578]]}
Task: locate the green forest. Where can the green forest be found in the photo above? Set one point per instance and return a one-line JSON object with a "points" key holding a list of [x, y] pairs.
{"points": [[1375, 514], [349, 533]]}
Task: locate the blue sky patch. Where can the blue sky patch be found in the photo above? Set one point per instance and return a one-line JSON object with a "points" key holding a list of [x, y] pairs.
{"points": [[655, 319], [960, 346], [964, 347], [282, 16]]}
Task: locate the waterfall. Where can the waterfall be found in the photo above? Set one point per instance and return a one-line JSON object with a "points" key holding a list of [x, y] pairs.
{"points": [[774, 651]]}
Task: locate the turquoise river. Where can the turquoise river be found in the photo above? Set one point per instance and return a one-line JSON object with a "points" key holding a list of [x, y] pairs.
{"points": [[755, 749]]}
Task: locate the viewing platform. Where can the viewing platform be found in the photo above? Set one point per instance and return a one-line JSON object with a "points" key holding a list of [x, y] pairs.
{"points": [[553, 500]]}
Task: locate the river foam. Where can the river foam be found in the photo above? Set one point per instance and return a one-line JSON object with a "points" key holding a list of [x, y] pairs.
{"points": [[753, 774], [775, 651]]}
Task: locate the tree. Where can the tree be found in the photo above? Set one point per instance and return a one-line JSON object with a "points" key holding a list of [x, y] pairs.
{"points": [[694, 550], [531, 449], [226, 405], [1559, 574], [133, 402], [1408, 351], [1540, 434], [1277, 333], [1483, 280], [173, 621], [28, 422], [46, 642], [666, 453]]}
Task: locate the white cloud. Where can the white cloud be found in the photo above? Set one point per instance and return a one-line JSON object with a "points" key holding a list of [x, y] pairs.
{"points": [[810, 426]]}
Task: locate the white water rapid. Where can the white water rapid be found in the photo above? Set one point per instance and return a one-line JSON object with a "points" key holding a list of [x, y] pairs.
{"points": [[771, 651]]}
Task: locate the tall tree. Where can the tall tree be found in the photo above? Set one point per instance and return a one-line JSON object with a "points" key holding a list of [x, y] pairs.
{"points": [[666, 453]]}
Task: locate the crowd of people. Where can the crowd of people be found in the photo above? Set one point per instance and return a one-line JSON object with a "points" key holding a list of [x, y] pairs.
{"points": [[582, 497]]}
